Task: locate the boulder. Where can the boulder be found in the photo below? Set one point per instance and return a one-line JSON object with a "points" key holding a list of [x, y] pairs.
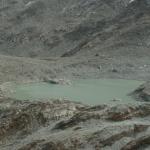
{"points": [[57, 81], [142, 93]]}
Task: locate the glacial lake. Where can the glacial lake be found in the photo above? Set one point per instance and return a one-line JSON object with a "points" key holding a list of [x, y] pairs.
{"points": [[87, 91]]}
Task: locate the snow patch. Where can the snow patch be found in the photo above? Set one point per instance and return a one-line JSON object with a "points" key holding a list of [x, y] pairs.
{"points": [[131, 1], [30, 3]]}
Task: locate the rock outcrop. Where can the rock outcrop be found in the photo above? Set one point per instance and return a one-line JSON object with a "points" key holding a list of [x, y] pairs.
{"points": [[57, 81], [142, 93]]}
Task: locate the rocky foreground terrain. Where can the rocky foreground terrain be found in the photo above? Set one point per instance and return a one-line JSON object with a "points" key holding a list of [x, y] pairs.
{"points": [[64, 125]]}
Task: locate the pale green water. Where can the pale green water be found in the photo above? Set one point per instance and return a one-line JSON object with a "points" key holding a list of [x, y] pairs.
{"points": [[87, 91]]}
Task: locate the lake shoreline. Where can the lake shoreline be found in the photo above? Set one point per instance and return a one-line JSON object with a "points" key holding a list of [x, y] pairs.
{"points": [[81, 90]]}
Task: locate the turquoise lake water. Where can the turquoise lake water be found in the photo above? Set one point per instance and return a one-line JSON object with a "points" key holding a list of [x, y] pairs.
{"points": [[87, 91]]}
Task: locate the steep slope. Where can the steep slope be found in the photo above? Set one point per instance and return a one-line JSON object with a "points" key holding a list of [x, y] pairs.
{"points": [[125, 34], [54, 27]]}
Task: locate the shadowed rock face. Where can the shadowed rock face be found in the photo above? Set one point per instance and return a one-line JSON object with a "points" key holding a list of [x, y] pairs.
{"points": [[64, 125]]}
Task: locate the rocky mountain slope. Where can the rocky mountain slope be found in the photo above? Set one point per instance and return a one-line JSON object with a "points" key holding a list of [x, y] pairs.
{"points": [[37, 28], [74, 38]]}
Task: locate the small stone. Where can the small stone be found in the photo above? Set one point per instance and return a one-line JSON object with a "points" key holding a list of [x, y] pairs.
{"points": [[114, 70]]}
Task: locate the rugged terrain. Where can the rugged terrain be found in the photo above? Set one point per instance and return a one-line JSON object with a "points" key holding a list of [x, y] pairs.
{"points": [[43, 39], [74, 38], [64, 125], [142, 93]]}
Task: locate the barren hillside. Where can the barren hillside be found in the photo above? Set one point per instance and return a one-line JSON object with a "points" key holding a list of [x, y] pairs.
{"points": [[37, 28], [74, 38]]}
